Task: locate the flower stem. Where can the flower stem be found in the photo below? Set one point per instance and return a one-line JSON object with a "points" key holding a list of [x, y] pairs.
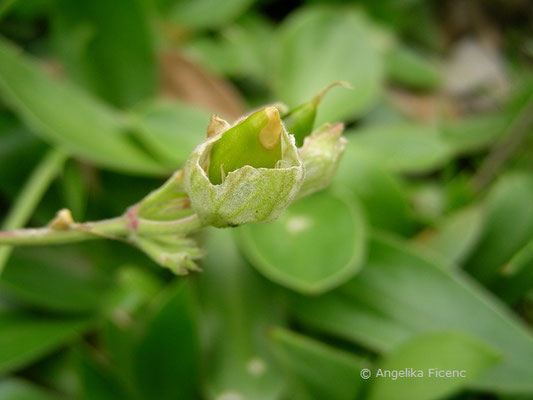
{"points": [[114, 228]]}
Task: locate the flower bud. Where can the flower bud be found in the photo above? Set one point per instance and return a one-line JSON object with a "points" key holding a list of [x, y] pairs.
{"points": [[321, 154], [248, 172], [300, 121]]}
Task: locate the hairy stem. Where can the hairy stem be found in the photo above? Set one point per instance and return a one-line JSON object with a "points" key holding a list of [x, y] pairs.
{"points": [[115, 228]]}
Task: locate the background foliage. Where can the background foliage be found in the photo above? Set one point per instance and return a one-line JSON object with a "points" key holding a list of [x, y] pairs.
{"points": [[419, 255]]}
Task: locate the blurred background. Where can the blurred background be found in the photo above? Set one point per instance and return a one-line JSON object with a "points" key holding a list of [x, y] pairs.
{"points": [[420, 255]]}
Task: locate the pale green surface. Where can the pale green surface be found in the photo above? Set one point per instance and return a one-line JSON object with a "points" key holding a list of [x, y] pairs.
{"points": [[400, 293], [449, 351], [318, 243], [320, 371], [321, 45]]}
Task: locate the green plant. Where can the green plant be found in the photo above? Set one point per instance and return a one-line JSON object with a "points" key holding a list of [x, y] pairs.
{"points": [[289, 272]]}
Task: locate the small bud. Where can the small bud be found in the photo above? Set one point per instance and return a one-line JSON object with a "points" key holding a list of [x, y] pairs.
{"points": [[321, 154], [248, 173], [62, 220], [300, 121]]}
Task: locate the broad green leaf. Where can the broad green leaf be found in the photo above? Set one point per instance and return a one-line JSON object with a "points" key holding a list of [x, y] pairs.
{"points": [[17, 389], [404, 147], [294, 251], [166, 358], [59, 279], [401, 293], [411, 69], [66, 116], [202, 14], [171, 130], [320, 45], [238, 308], [108, 47], [322, 371], [456, 235], [461, 356], [381, 194], [508, 227], [25, 338]]}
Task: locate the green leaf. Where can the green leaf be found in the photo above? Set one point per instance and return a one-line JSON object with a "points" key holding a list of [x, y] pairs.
{"points": [[320, 45], [170, 130], [68, 117], [166, 358], [456, 235], [294, 252], [404, 147], [401, 293], [25, 338], [55, 279], [517, 277], [99, 381], [201, 14], [238, 309], [108, 46], [508, 227], [381, 194], [17, 147], [322, 371], [433, 354], [474, 132], [16, 389], [411, 69]]}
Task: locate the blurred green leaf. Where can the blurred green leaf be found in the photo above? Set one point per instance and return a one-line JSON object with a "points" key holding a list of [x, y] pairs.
{"points": [[68, 117], [474, 132], [323, 372], [74, 190], [294, 252], [400, 293], [517, 277], [166, 358], [107, 46], [17, 147], [238, 308], [411, 69], [98, 381], [508, 227], [201, 14], [17, 389], [428, 353], [381, 194], [242, 50], [24, 337], [404, 147], [320, 45], [55, 279], [456, 235], [171, 130]]}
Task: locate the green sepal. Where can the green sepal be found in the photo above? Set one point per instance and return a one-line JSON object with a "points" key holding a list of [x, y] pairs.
{"points": [[300, 121]]}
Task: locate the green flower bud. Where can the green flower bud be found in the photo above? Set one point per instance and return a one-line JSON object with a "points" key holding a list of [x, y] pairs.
{"points": [[300, 121], [248, 172], [321, 154]]}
